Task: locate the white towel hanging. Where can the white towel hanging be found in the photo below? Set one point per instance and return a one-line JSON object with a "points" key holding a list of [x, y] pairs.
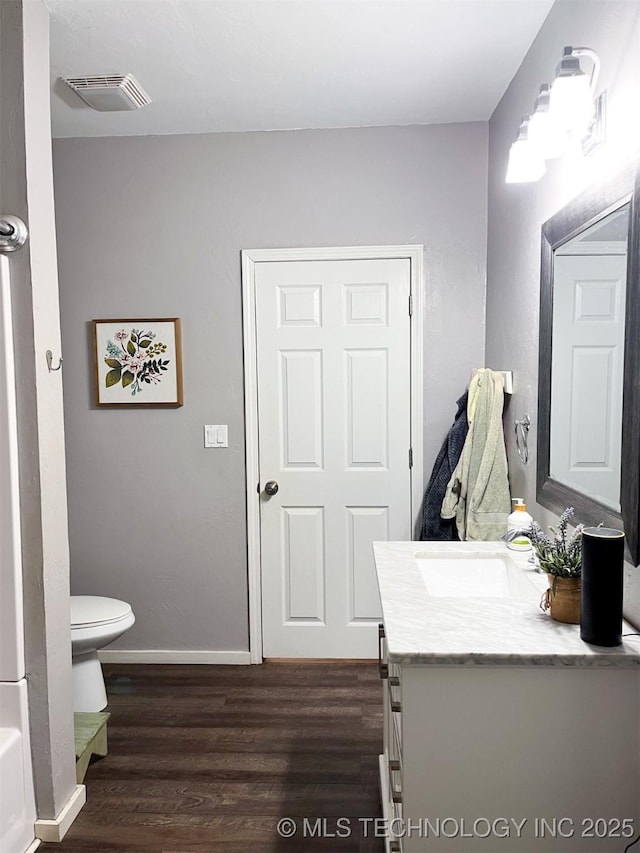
{"points": [[507, 375]]}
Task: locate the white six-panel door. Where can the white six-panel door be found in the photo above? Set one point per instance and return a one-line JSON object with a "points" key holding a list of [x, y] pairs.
{"points": [[334, 431], [587, 370]]}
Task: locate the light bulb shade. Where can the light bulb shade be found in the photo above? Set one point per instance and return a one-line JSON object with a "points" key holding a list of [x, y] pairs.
{"points": [[525, 163], [546, 135], [571, 103]]}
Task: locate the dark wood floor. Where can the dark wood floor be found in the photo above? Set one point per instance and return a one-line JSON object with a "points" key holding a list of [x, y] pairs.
{"points": [[209, 758]]}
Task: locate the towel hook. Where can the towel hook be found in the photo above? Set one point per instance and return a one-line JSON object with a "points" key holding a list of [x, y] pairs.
{"points": [[522, 438], [49, 356]]}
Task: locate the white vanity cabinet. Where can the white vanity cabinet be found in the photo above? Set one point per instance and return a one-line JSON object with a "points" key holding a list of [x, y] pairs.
{"points": [[502, 730]]}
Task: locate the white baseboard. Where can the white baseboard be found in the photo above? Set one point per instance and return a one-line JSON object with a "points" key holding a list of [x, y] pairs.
{"points": [[172, 656], [55, 830], [33, 847]]}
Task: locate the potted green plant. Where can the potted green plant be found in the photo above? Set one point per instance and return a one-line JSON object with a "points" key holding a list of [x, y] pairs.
{"points": [[561, 559]]}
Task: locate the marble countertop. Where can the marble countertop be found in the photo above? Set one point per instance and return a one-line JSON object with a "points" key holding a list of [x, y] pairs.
{"points": [[423, 629]]}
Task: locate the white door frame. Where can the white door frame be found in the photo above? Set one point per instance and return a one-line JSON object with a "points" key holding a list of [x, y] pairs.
{"points": [[251, 257]]}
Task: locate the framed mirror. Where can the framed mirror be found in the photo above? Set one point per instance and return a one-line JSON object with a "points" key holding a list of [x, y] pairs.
{"points": [[589, 360]]}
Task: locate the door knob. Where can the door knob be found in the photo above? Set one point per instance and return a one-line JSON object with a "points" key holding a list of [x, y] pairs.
{"points": [[271, 487]]}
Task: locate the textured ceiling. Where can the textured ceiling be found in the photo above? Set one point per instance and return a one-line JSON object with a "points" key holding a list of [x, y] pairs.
{"points": [[235, 65]]}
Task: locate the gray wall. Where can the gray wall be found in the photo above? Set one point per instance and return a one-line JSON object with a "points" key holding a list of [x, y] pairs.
{"points": [[517, 211], [153, 227], [27, 191]]}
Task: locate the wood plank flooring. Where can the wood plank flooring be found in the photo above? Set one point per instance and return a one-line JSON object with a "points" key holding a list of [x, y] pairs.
{"points": [[209, 758]]}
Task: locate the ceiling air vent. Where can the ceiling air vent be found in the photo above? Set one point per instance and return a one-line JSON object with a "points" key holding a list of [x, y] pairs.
{"points": [[108, 92]]}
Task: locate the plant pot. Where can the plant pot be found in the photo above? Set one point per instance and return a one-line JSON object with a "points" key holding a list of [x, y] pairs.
{"points": [[563, 599]]}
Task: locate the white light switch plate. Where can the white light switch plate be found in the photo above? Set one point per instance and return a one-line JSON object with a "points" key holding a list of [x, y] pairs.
{"points": [[216, 435]]}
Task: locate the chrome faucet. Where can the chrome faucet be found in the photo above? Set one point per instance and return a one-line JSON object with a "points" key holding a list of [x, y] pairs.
{"points": [[510, 535]]}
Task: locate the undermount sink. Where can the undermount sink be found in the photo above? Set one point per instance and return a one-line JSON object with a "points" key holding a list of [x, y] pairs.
{"points": [[472, 575]]}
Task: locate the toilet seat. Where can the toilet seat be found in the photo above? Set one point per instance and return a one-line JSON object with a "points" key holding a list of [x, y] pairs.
{"points": [[91, 611]]}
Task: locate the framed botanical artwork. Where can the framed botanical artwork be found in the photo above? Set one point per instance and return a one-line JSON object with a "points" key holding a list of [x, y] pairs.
{"points": [[138, 362]]}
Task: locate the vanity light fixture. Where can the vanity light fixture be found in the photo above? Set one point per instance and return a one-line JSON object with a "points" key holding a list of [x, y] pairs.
{"points": [[564, 116], [571, 99], [544, 131], [526, 164]]}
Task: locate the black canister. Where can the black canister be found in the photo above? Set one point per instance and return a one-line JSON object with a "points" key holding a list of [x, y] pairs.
{"points": [[602, 580]]}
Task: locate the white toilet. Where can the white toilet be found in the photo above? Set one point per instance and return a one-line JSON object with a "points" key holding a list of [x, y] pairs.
{"points": [[95, 622]]}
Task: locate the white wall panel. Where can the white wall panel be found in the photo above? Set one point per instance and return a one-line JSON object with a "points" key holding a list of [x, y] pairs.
{"points": [[591, 425], [366, 304], [301, 408], [300, 305], [597, 300], [367, 408], [304, 563], [366, 524]]}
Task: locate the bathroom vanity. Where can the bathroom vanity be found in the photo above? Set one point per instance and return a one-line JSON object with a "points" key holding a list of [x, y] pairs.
{"points": [[503, 731]]}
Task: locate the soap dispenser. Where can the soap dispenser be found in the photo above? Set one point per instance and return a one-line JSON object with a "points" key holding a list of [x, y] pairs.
{"points": [[518, 521]]}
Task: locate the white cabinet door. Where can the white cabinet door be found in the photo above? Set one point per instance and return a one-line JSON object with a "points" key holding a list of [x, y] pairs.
{"points": [[333, 343]]}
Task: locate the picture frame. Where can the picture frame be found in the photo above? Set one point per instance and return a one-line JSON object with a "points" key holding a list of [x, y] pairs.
{"points": [[138, 363]]}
